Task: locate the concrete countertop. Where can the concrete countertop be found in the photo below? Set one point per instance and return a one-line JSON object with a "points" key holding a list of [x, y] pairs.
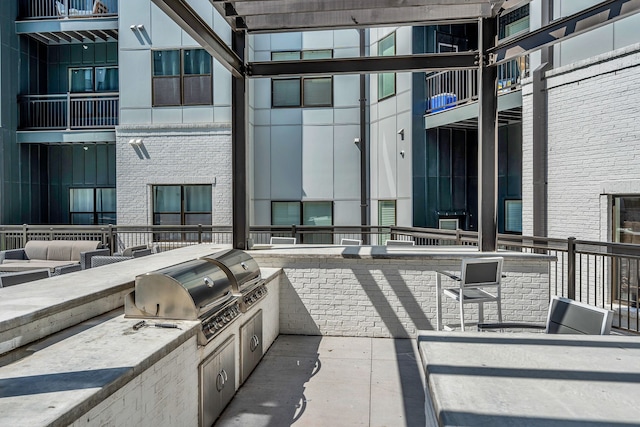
{"points": [[58, 379], [528, 379], [386, 252]]}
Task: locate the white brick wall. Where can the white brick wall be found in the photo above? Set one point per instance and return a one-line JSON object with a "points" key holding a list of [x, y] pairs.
{"points": [[163, 395], [175, 154], [594, 135], [390, 297]]}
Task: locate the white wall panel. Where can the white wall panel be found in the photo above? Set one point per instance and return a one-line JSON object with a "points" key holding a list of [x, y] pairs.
{"points": [[346, 212], [286, 41], [346, 116], [387, 169], [221, 84], [164, 32], [286, 116], [167, 115], [286, 163], [199, 114], [261, 97], [262, 162], [347, 162], [317, 116], [317, 40], [346, 91], [317, 162], [135, 92]]}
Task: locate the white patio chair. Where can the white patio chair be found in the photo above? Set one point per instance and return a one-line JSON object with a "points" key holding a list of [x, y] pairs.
{"points": [[282, 241], [479, 282]]}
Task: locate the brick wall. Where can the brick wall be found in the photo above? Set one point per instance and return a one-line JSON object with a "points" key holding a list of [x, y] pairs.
{"points": [[176, 154], [390, 297], [594, 130]]}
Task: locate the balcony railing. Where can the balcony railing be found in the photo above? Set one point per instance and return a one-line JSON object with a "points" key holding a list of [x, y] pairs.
{"points": [[447, 89], [68, 111], [602, 274], [63, 9]]}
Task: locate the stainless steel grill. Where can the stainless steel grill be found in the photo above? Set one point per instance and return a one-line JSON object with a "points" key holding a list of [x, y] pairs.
{"points": [[244, 273], [192, 290], [214, 289]]}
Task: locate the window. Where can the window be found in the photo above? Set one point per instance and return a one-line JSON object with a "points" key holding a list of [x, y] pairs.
{"points": [[513, 216], [386, 217], [387, 81], [304, 213], [181, 204], [305, 91], [182, 77], [626, 229], [92, 206], [514, 22], [93, 79]]}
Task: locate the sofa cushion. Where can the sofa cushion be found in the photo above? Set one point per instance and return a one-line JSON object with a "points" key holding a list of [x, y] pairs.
{"points": [[59, 250], [80, 246], [36, 249], [129, 251], [34, 265]]}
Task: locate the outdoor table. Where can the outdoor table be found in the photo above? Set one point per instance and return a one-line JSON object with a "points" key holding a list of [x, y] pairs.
{"points": [[530, 379]]}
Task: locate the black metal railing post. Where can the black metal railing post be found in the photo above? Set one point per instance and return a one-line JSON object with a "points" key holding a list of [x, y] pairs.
{"points": [[25, 236], [199, 233], [571, 267]]}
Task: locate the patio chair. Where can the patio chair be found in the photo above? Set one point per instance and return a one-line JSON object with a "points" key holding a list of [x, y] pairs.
{"points": [[18, 277], [98, 261], [392, 242], [352, 242], [478, 283], [282, 241], [565, 316]]}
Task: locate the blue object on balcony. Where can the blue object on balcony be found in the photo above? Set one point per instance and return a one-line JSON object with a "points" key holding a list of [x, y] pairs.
{"points": [[442, 101]]}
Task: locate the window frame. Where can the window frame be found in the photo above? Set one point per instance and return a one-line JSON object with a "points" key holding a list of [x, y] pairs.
{"points": [[301, 103], [181, 78], [95, 213], [301, 206], [507, 202], [183, 213], [380, 75]]}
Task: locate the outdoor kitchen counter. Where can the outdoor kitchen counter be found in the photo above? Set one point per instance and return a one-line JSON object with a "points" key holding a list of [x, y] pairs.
{"points": [[37, 309], [59, 379], [385, 252], [529, 379]]}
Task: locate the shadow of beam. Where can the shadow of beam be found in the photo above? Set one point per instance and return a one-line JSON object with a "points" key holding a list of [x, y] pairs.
{"points": [[51, 383]]}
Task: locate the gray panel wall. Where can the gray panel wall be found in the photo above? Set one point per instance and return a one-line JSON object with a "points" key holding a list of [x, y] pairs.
{"points": [[306, 154]]}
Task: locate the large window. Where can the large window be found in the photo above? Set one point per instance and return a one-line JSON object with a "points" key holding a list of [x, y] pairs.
{"points": [[182, 77], [93, 79], [387, 81], [304, 213], [182, 204], [302, 92], [626, 229], [92, 206]]}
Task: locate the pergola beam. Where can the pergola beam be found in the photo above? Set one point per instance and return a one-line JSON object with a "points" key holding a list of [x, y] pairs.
{"points": [[358, 65], [189, 20], [589, 19]]}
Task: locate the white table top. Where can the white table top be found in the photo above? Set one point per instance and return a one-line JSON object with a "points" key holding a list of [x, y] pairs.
{"points": [[529, 379]]}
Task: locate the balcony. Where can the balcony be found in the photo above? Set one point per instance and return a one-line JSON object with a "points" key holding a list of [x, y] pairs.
{"points": [[65, 9], [451, 96], [68, 21], [68, 111]]}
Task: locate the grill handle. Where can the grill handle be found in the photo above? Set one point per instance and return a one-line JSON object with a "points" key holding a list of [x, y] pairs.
{"points": [[223, 298]]}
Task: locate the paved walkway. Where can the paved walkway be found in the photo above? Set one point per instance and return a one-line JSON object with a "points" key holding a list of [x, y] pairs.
{"points": [[317, 381]]}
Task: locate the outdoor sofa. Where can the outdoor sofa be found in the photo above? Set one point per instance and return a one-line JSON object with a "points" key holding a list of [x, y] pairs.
{"points": [[59, 256]]}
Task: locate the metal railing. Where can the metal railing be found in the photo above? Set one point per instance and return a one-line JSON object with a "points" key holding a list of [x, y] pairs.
{"points": [[446, 89], [68, 111], [62, 9], [602, 274]]}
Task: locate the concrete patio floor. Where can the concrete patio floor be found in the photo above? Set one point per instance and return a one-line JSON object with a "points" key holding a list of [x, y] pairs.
{"points": [[332, 381]]}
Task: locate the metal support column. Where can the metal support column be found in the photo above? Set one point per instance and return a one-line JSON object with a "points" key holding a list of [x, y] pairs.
{"points": [[239, 150], [364, 162], [540, 131], [487, 140]]}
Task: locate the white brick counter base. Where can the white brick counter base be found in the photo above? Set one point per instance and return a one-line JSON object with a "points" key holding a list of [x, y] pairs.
{"points": [[380, 292]]}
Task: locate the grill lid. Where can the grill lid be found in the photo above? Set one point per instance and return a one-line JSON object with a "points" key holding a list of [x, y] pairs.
{"points": [[188, 291], [243, 271]]}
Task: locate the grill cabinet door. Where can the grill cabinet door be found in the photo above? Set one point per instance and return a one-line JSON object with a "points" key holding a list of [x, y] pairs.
{"points": [[251, 345], [217, 382]]}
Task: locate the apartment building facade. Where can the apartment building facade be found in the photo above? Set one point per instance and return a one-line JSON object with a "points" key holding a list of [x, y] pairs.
{"points": [[122, 117]]}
